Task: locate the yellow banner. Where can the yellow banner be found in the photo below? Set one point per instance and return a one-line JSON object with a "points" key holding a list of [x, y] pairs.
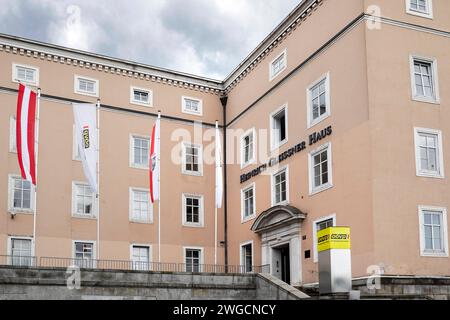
{"points": [[333, 238]]}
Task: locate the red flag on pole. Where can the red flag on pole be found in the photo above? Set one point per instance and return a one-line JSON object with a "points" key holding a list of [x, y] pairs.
{"points": [[155, 161], [25, 132]]}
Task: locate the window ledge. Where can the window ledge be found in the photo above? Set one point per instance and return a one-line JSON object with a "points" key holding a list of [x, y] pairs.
{"points": [[192, 173], [133, 166], [84, 217], [21, 211], [142, 104], [430, 175], [420, 14], [318, 121], [193, 225], [428, 254], [426, 100], [248, 164], [248, 219], [321, 189], [141, 221]]}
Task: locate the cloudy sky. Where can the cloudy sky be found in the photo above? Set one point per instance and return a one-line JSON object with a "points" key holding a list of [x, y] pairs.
{"points": [[204, 37]]}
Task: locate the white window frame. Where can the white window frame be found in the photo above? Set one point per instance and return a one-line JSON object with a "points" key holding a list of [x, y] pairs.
{"points": [[150, 206], [243, 190], [201, 218], [273, 75], [434, 75], [443, 212], [251, 161], [185, 145], [16, 80], [315, 190], [202, 255], [327, 114], [276, 145], [138, 136], [11, 208], [12, 134], [75, 149], [428, 15], [440, 154], [77, 78], [186, 111], [140, 103], [314, 232], [76, 215], [150, 255], [94, 251], [272, 186], [241, 257], [9, 248]]}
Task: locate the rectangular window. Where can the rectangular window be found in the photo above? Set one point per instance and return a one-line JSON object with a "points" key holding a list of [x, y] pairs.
{"points": [[247, 257], [142, 97], [21, 252], [278, 65], [248, 148], [192, 210], [278, 125], [21, 195], [140, 206], [433, 230], [429, 153], [26, 74], [192, 159], [86, 86], [320, 173], [193, 260], [319, 101], [421, 8], [84, 254], [192, 106], [140, 152], [140, 258], [424, 79], [12, 134], [280, 187], [248, 199], [318, 225], [83, 201]]}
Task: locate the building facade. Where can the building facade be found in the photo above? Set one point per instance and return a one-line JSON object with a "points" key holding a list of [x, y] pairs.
{"points": [[339, 117]]}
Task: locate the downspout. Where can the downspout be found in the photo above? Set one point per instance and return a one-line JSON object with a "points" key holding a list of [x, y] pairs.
{"points": [[224, 101]]}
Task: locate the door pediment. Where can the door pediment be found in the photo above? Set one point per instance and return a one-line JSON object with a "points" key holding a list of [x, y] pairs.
{"points": [[277, 217]]}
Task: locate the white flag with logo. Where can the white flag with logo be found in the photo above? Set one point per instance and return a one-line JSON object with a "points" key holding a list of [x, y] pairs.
{"points": [[86, 136]]}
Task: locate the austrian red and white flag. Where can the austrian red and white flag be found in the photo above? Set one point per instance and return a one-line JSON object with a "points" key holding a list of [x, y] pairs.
{"points": [[25, 132], [155, 161]]}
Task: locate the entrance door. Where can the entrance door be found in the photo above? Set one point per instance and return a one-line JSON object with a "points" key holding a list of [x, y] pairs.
{"points": [[281, 263]]}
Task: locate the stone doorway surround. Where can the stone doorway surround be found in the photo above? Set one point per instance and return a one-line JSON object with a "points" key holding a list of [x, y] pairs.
{"points": [[280, 226]]}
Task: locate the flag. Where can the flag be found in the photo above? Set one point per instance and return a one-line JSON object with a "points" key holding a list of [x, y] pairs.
{"points": [[155, 162], [219, 170], [25, 133], [87, 139]]}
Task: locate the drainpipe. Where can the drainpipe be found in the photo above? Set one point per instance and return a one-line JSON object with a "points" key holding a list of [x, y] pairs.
{"points": [[224, 101]]}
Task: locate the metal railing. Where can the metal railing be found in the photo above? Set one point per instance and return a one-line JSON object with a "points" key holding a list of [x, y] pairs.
{"points": [[126, 265]]}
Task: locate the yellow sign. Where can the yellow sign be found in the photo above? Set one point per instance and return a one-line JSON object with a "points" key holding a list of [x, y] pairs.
{"points": [[333, 238]]}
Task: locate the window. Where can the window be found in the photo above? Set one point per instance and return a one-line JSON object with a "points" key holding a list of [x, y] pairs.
{"points": [[433, 231], [248, 203], [86, 86], [320, 170], [318, 225], [12, 134], [192, 159], [21, 195], [318, 101], [248, 148], [83, 201], [192, 210], [278, 65], [424, 77], [247, 257], [278, 125], [141, 209], [429, 153], [84, 254], [140, 152], [193, 259], [143, 97], [421, 8], [25, 74], [280, 187], [192, 106], [140, 257], [21, 252]]}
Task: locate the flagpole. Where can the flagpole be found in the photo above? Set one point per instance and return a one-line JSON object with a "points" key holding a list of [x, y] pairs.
{"points": [[159, 187], [36, 144], [216, 204], [98, 179]]}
